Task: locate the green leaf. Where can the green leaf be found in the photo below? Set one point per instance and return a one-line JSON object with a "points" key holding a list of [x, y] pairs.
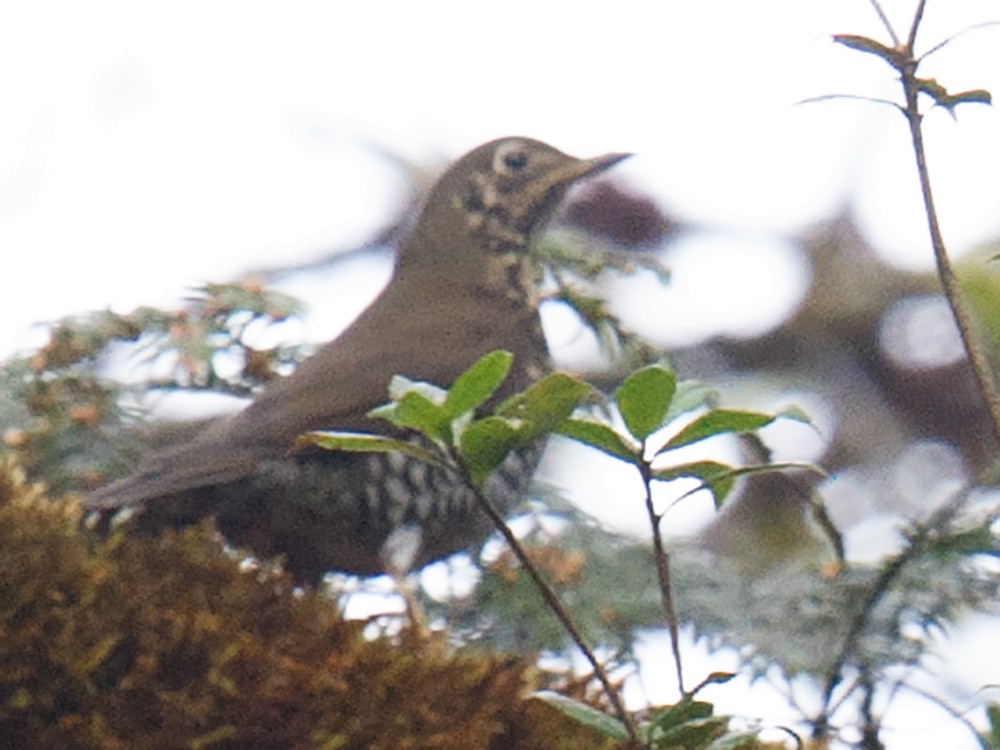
{"points": [[715, 477], [894, 57], [415, 405], [689, 723], [737, 741], [717, 422], [686, 710], [719, 479], [478, 383], [705, 470], [942, 98], [643, 399], [585, 715], [715, 678], [360, 442], [417, 412], [545, 405], [484, 446], [601, 436], [694, 734]]}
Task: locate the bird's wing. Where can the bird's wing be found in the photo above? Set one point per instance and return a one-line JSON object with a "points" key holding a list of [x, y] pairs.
{"points": [[197, 463], [334, 389]]}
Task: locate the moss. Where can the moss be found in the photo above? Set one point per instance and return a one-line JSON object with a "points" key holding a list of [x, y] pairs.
{"points": [[125, 642]]}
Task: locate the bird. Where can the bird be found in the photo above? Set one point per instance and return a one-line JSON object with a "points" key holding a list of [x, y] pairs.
{"points": [[463, 285]]}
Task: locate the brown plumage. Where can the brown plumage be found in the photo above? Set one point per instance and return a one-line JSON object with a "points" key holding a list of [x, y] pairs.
{"points": [[462, 287]]}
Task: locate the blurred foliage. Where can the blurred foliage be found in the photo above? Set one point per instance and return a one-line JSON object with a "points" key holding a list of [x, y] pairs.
{"points": [[65, 420], [791, 615]]}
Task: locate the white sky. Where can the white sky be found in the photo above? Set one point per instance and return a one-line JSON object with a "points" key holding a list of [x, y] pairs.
{"points": [[148, 147]]}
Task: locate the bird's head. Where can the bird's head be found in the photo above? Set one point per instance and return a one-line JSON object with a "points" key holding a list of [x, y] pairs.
{"points": [[487, 207]]}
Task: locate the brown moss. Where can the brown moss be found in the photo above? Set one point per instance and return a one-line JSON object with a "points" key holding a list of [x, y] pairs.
{"points": [[167, 643]]}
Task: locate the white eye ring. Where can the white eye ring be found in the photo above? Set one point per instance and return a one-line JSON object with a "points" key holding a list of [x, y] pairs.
{"points": [[510, 158]]}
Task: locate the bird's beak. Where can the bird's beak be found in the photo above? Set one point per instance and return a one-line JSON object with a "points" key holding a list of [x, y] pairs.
{"points": [[550, 187], [575, 170], [602, 163], [578, 169]]}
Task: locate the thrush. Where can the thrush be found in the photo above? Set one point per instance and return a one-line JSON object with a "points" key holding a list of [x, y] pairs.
{"points": [[463, 285]]}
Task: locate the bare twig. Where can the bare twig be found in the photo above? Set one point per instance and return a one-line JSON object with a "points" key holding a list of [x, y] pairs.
{"points": [[553, 603], [663, 574], [955, 36], [870, 723], [918, 16], [885, 22], [855, 97], [954, 712], [949, 282]]}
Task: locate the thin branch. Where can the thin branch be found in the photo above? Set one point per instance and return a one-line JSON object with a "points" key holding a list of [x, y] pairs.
{"points": [[870, 723], [885, 22], [954, 712], [663, 574], [954, 36], [553, 603], [855, 97], [977, 356], [918, 16]]}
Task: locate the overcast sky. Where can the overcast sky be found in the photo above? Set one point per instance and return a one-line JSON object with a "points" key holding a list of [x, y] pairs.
{"points": [[148, 147]]}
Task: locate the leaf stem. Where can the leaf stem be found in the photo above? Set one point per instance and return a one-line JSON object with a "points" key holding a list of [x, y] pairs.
{"points": [[885, 22], [553, 603], [663, 573], [978, 358]]}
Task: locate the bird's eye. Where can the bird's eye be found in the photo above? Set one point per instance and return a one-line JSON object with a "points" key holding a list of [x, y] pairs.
{"points": [[515, 161]]}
